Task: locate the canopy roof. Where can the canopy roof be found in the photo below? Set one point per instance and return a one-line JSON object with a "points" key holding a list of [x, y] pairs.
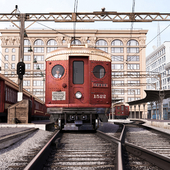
{"points": [[152, 95]]}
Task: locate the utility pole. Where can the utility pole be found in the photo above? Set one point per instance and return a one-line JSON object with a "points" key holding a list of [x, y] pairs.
{"points": [[21, 54]]}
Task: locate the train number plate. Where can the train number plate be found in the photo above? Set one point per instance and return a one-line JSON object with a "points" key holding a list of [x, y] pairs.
{"points": [[61, 95]]}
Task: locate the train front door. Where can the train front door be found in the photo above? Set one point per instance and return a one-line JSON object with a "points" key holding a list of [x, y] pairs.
{"points": [[79, 80]]}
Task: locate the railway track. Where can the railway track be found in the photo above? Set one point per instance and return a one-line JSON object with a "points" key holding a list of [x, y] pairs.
{"points": [[150, 139], [80, 151], [98, 151]]}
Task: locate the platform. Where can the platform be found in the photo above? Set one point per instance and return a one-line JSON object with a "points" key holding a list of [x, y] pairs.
{"points": [[43, 125]]}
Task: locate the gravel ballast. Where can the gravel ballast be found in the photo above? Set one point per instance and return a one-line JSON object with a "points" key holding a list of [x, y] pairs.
{"points": [[15, 152], [10, 130]]}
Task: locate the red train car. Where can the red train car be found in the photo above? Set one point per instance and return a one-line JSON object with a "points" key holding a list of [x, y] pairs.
{"points": [[8, 96], [77, 82], [121, 111]]}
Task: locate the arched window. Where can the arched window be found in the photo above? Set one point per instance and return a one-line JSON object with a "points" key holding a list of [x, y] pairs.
{"points": [[76, 42], [132, 43], [52, 42], [38, 42], [117, 43], [27, 42], [101, 43]]}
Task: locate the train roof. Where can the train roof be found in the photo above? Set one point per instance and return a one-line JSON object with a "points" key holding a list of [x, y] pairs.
{"points": [[78, 50], [10, 83]]}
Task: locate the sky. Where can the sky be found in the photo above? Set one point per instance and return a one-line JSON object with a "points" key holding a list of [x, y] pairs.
{"points": [[46, 6]]}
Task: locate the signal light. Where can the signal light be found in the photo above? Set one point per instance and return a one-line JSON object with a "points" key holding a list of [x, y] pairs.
{"points": [[21, 69]]}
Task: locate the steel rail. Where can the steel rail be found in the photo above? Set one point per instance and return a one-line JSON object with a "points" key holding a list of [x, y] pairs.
{"points": [[119, 162], [159, 160], [6, 141], [36, 162]]}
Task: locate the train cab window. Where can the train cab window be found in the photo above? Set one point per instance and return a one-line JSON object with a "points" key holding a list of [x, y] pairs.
{"points": [[58, 71], [99, 71], [78, 72], [118, 108], [122, 108], [126, 108]]}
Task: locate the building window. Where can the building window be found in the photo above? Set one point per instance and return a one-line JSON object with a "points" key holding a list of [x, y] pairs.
{"points": [[117, 58], [13, 66], [132, 50], [26, 83], [117, 82], [6, 65], [38, 42], [6, 57], [77, 42], [26, 49], [133, 91], [38, 91], [117, 67], [38, 49], [6, 50], [133, 74], [103, 49], [133, 66], [27, 58], [6, 73], [39, 57], [132, 43], [52, 42], [117, 43], [12, 73], [101, 43], [49, 49], [37, 83], [114, 73], [117, 91], [133, 82], [132, 58], [40, 66], [13, 58], [28, 90], [27, 42], [27, 66], [117, 49], [13, 50]]}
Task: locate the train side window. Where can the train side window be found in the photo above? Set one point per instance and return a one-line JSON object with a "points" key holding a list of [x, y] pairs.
{"points": [[78, 72], [99, 71], [58, 71]]}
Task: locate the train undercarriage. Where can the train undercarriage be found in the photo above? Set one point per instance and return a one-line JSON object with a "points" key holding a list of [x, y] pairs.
{"points": [[76, 118]]}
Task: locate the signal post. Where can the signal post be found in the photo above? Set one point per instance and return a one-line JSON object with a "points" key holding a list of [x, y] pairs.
{"points": [[21, 65]]}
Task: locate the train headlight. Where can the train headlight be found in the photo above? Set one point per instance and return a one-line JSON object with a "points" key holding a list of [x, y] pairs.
{"points": [[78, 95]]}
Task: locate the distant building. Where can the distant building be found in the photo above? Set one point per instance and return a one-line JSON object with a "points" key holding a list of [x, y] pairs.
{"points": [[158, 62], [126, 49]]}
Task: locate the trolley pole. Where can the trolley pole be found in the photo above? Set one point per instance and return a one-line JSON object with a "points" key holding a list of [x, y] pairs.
{"points": [[21, 54]]}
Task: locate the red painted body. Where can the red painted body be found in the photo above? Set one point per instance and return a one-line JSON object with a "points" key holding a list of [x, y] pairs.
{"points": [[121, 111], [2, 97], [8, 96], [95, 92]]}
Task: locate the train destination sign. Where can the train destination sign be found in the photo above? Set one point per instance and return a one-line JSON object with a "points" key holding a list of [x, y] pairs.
{"points": [[61, 95]]}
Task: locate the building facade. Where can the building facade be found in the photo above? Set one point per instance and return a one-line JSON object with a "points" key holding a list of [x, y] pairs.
{"points": [[126, 48], [158, 62]]}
